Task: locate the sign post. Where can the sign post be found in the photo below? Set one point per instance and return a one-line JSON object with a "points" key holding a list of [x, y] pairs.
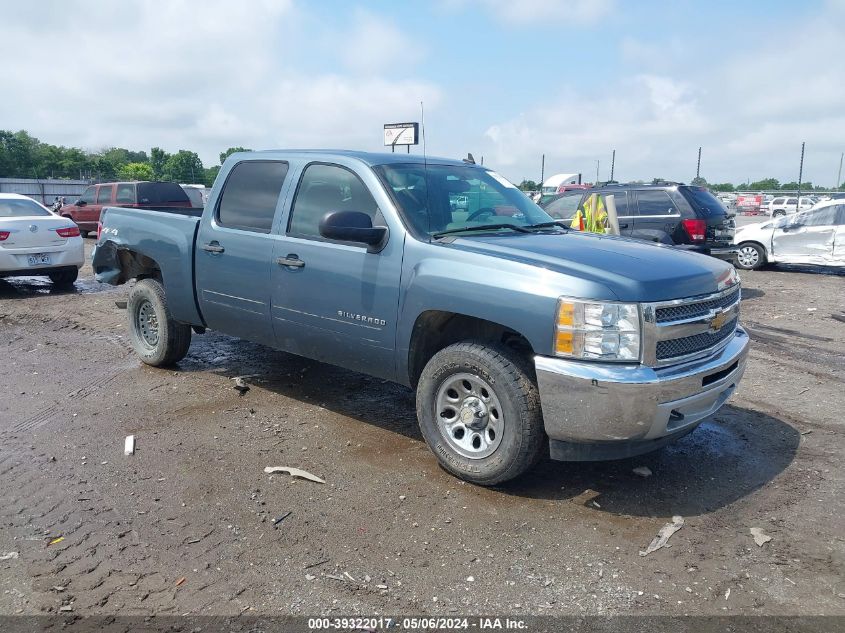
{"points": [[406, 134]]}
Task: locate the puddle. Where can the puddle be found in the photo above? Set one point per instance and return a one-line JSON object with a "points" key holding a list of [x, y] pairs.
{"points": [[12, 287]]}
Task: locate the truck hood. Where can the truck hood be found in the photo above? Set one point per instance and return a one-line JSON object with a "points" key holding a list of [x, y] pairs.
{"points": [[632, 269]]}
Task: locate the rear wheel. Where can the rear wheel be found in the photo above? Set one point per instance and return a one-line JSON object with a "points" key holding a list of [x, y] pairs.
{"points": [[157, 338], [64, 278], [479, 411], [750, 256]]}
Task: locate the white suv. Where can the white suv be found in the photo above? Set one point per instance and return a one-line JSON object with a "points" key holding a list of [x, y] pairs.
{"points": [[787, 205]]}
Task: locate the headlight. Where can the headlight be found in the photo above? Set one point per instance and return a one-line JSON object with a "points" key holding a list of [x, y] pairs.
{"points": [[598, 331]]}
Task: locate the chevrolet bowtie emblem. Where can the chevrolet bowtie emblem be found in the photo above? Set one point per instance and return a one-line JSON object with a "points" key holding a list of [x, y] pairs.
{"points": [[718, 321]]}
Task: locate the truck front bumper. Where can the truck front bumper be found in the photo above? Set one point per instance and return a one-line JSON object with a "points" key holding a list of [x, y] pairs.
{"points": [[595, 411]]}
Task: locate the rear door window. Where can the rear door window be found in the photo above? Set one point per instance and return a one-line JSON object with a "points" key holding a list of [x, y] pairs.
{"points": [[104, 195], [125, 194], [620, 198], [651, 203], [250, 195]]}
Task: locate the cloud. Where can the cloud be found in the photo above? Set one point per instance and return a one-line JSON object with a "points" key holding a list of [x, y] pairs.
{"points": [[376, 44], [750, 110], [142, 74]]}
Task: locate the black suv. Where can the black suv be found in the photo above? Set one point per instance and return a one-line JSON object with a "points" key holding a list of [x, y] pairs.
{"points": [[685, 216]]}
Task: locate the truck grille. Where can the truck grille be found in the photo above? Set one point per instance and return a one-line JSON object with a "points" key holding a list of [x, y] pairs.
{"points": [[694, 310], [683, 330], [677, 347]]}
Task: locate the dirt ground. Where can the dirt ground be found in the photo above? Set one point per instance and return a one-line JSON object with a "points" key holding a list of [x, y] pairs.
{"points": [[186, 525]]}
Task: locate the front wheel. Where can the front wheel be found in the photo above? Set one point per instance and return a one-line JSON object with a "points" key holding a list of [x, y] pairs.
{"points": [[479, 412], [750, 256], [155, 336]]}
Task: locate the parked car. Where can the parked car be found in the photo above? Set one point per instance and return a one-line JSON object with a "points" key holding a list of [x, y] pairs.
{"points": [[517, 334], [85, 211], [784, 205], [34, 241], [195, 195], [685, 216], [815, 236]]}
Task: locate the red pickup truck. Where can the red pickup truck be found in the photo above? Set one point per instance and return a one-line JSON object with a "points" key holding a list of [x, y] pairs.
{"points": [[86, 210]]}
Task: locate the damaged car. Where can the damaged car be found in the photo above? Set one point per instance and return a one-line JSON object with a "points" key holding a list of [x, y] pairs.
{"points": [[815, 236]]}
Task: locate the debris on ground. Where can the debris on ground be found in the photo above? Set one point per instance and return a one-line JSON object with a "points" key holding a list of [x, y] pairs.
{"points": [[129, 445], [282, 517], [240, 385], [121, 305], [181, 581], [664, 535], [66, 608], [10, 556], [293, 472], [56, 541], [643, 471], [759, 537], [838, 317]]}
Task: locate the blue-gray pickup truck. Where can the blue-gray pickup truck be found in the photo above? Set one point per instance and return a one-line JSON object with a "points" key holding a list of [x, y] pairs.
{"points": [[518, 334]]}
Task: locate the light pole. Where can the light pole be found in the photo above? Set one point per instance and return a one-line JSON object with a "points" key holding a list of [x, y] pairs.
{"points": [[598, 162]]}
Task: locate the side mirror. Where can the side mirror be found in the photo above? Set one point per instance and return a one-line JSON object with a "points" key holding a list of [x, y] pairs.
{"points": [[80, 203], [353, 226]]}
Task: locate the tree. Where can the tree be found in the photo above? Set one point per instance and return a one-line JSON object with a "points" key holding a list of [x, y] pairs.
{"points": [[230, 151], [698, 181], [184, 166], [211, 175], [529, 185], [158, 160], [724, 186], [765, 184], [135, 171]]}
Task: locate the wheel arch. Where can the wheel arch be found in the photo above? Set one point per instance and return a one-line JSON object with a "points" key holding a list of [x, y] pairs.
{"points": [[435, 330]]}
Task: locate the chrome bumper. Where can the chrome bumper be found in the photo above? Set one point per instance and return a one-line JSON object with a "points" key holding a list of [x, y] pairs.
{"points": [[632, 408]]}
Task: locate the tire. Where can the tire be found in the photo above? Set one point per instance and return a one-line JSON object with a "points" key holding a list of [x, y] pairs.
{"points": [[778, 213], [506, 438], [83, 234], [156, 338], [64, 278], [750, 256]]}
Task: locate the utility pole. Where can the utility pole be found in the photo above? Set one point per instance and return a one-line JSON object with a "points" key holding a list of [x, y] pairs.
{"points": [[542, 171], [698, 167], [839, 177], [612, 164], [800, 175], [598, 162]]}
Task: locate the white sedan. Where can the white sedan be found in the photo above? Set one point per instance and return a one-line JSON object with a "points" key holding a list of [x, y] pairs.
{"points": [[815, 236], [36, 241]]}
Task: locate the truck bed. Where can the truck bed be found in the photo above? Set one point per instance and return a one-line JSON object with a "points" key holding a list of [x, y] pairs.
{"points": [[163, 234]]}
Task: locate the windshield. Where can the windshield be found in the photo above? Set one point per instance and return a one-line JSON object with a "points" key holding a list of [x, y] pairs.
{"points": [[16, 208], [452, 197]]}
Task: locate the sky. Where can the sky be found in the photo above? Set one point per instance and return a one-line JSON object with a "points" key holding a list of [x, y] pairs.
{"points": [[508, 80]]}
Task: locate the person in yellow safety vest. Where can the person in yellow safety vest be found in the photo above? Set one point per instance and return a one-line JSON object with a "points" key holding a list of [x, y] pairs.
{"points": [[589, 219]]}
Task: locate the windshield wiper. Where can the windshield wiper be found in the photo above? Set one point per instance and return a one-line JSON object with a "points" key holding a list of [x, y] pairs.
{"points": [[546, 225], [483, 227]]}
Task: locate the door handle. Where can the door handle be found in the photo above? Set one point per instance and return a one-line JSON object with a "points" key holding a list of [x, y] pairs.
{"points": [[623, 226], [291, 260], [213, 247]]}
